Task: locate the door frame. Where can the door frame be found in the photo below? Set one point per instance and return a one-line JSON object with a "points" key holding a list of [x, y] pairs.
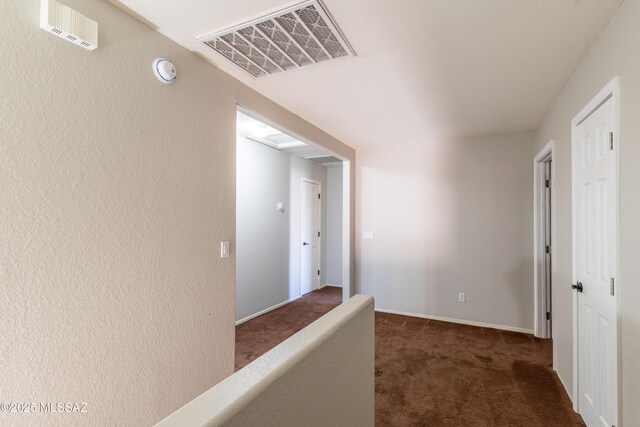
{"points": [[319, 184], [539, 213], [610, 92]]}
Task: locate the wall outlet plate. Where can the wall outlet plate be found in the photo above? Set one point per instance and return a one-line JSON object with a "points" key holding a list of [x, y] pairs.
{"points": [[462, 297]]}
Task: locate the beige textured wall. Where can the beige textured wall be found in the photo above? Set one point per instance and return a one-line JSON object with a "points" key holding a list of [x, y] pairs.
{"points": [[321, 376], [615, 54], [449, 217], [115, 191]]}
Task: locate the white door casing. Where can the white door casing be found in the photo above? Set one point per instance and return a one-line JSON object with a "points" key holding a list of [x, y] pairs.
{"points": [[310, 235], [595, 247], [544, 235], [547, 258]]}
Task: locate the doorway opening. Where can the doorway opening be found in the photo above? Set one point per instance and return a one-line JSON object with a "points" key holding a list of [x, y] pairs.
{"points": [[544, 202], [289, 218]]}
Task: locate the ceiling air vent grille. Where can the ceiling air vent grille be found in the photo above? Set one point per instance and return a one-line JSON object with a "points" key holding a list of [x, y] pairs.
{"points": [[324, 159], [291, 38]]}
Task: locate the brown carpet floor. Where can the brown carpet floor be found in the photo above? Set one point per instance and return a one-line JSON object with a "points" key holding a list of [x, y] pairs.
{"points": [[259, 335], [431, 373]]}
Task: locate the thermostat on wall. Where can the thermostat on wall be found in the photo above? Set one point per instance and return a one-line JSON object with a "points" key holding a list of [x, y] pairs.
{"points": [[68, 24]]}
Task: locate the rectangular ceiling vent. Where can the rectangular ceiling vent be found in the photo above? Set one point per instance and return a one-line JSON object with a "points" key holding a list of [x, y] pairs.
{"points": [[324, 159], [292, 38]]}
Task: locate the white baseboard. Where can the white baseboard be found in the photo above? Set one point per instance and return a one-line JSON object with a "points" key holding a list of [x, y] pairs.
{"points": [[330, 284], [460, 321], [266, 310]]}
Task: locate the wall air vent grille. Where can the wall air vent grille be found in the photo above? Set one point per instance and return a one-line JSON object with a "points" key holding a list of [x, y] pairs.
{"points": [[324, 159], [291, 38], [68, 24]]}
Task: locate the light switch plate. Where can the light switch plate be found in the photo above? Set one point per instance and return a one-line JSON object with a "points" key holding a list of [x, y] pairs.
{"points": [[367, 235], [224, 249]]}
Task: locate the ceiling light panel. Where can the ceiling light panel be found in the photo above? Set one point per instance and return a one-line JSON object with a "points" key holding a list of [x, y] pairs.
{"points": [[291, 38]]}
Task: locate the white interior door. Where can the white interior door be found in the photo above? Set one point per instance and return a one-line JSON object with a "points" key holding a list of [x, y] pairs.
{"points": [[310, 234], [596, 245]]}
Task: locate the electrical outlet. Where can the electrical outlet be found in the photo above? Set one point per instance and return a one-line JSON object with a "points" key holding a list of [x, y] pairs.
{"points": [[462, 297]]}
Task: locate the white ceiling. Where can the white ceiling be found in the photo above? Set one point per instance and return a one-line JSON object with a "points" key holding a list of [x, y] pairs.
{"points": [[425, 69], [260, 132]]}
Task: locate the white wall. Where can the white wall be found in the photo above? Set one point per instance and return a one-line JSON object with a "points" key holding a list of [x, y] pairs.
{"points": [[262, 243], [112, 209], [330, 364], [449, 217], [615, 54], [333, 233], [268, 242]]}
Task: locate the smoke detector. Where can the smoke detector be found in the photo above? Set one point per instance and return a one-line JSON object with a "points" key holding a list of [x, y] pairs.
{"points": [[291, 38], [164, 70], [68, 24]]}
